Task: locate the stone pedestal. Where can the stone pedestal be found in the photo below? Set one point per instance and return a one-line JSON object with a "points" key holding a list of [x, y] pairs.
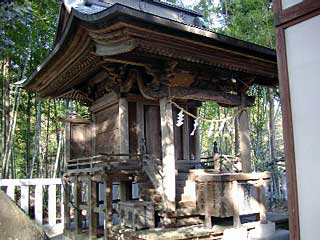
{"points": [[235, 233], [262, 231]]}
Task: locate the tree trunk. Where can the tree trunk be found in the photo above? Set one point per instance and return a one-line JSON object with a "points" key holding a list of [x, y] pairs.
{"points": [[9, 143], [6, 104], [28, 134], [56, 164], [37, 136], [47, 142]]}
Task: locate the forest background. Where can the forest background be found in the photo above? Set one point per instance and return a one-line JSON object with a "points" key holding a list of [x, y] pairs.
{"points": [[31, 134]]}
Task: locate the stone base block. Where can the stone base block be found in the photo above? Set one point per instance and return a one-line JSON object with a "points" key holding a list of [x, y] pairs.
{"points": [[262, 231], [235, 233]]}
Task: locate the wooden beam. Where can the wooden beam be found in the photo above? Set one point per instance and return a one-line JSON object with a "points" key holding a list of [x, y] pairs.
{"points": [[244, 133], [197, 94], [66, 200], [76, 199], [140, 128], [107, 207], [124, 125], [67, 138], [209, 95], [197, 141], [186, 138], [168, 153], [92, 203], [125, 191]]}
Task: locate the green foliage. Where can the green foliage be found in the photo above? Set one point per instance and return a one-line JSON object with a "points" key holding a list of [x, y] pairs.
{"points": [[249, 20], [28, 30]]}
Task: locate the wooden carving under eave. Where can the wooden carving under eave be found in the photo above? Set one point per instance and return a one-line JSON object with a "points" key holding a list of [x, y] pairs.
{"points": [[226, 99]]}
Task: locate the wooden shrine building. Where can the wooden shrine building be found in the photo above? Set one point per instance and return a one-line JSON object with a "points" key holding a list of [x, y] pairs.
{"points": [[133, 62]]}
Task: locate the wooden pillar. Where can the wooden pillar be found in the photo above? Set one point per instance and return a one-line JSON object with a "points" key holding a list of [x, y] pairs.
{"points": [[262, 202], [140, 127], [124, 125], [76, 199], [107, 207], [197, 140], [186, 138], [66, 200], [244, 133], [125, 191], [235, 204], [92, 203], [168, 153], [67, 132]]}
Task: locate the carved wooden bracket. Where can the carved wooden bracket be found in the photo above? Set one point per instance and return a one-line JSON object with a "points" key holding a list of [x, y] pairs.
{"points": [[220, 97]]}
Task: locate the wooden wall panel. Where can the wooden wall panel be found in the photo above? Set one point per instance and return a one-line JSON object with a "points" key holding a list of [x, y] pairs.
{"points": [[133, 137], [107, 119], [107, 130], [153, 131], [108, 142], [80, 140]]}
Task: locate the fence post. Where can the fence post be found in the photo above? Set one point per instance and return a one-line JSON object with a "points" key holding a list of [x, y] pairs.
{"points": [[10, 191], [52, 204], [38, 205], [25, 199]]}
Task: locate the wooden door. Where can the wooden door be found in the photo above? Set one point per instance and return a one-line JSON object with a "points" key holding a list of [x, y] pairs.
{"points": [[152, 131]]}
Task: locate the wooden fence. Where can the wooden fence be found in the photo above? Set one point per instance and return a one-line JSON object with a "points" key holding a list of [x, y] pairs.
{"points": [[39, 194]]}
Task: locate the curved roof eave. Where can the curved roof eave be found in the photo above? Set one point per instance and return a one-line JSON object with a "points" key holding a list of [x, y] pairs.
{"points": [[121, 9]]}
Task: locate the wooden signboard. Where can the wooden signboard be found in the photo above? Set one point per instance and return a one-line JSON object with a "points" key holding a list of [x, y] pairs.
{"points": [[298, 49]]}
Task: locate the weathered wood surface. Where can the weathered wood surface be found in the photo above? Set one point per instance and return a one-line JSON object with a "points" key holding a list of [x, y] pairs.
{"points": [[80, 140], [152, 131], [107, 131], [244, 133], [76, 190], [92, 202], [133, 128], [140, 127], [108, 208], [168, 153], [107, 119], [123, 125]]}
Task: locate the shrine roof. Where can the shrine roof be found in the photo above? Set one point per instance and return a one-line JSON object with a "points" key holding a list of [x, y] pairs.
{"points": [[86, 29]]}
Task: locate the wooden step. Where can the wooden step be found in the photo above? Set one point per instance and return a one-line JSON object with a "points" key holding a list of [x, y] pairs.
{"points": [[189, 221], [187, 204]]}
